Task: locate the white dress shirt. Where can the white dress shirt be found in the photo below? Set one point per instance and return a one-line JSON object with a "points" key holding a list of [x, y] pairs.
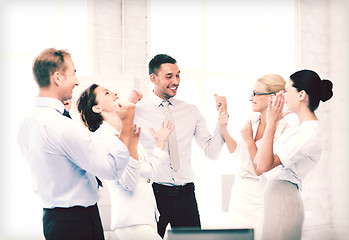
{"points": [[188, 123], [132, 198], [64, 156], [299, 149]]}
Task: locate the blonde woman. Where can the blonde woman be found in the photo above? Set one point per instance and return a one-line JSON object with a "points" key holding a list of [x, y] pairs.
{"points": [[246, 201]]}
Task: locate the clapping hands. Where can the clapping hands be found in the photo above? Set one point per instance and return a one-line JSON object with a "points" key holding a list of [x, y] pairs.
{"points": [[275, 108]]}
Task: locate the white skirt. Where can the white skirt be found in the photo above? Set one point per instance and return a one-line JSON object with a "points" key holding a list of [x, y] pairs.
{"points": [[246, 204], [284, 211]]}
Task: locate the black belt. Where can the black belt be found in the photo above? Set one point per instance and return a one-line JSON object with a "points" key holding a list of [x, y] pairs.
{"points": [[173, 191], [70, 209]]}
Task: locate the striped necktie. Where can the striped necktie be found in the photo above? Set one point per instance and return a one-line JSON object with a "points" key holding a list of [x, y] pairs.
{"points": [[172, 140]]}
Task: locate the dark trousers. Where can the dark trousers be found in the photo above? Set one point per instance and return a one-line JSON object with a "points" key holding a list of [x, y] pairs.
{"points": [[73, 223], [177, 206]]}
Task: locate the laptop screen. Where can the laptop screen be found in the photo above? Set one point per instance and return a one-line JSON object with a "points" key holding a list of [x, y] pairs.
{"points": [[210, 234]]}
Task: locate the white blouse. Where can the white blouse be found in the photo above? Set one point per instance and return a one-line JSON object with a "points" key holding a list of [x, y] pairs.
{"points": [[299, 149], [246, 169], [132, 198]]}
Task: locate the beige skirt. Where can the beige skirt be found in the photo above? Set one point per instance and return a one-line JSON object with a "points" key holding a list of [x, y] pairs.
{"points": [[283, 211]]}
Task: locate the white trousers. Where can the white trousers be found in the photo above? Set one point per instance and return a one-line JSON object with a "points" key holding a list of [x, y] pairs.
{"points": [[283, 211], [138, 232]]}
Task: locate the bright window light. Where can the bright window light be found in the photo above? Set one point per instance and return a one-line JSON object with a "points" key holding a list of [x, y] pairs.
{"points": [[27, 29], [222, 47]]}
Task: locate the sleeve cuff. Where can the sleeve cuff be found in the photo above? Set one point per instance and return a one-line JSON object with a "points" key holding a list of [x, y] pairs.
{"points": [[134, 163], [159, 153]]}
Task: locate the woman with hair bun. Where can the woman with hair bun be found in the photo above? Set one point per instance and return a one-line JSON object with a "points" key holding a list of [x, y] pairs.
{"points": [[292, 155]]}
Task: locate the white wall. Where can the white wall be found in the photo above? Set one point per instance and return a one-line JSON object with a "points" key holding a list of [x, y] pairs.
{"points": [[322, 45], [339, 155]]}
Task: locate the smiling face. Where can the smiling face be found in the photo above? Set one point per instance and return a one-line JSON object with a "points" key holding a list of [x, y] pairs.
{"points": [[105, 100], [166, 80], [259, 102], [68, 79]]}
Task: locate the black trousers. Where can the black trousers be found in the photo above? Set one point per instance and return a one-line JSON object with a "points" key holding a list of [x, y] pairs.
{"points": [[177, 206], [73, 223]]}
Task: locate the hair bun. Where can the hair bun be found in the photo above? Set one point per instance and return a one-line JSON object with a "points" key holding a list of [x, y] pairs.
{"points": [[326, 90]]}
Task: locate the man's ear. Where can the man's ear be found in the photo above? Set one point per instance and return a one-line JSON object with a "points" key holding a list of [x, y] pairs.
{"points": [[56, 78], [96, 109], [153, 78]]}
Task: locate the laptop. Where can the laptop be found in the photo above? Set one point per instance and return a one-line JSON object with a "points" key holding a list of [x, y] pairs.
{"points": [[210, 234]]}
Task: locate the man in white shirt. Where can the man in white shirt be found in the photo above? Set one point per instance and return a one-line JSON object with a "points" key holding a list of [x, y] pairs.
{"points": [[174, 188], [64, 157]]}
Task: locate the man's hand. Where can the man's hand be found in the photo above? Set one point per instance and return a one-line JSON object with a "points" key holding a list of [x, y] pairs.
{"points": [[221, 103], [223, 119], [135, 96]]}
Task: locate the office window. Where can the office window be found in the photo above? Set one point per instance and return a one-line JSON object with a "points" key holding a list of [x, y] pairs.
{"points": [[222, 47], [26, 29]]}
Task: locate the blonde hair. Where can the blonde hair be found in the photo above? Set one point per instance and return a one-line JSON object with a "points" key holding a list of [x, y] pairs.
{"points": [[273, 82]]}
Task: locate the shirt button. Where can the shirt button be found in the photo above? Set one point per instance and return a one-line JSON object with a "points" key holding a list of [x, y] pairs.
{"points": [[148, 180]]}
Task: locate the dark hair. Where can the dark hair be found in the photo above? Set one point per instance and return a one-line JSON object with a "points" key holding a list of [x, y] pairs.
{"points": [[49, 61], [85, 103], [159, 59], [317, 89]]}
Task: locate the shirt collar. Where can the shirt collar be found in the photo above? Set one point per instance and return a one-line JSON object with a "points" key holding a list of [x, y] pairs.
{"points": [[110, 128], [255, 117], [50, 102], [158, 101]]}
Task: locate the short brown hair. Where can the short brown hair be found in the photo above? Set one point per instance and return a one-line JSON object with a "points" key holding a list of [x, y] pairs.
{"points": [[49, 61]]}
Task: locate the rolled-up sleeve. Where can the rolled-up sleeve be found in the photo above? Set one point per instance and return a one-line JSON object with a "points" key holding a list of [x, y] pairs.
{"points": [[298, 146], [211, 144]]}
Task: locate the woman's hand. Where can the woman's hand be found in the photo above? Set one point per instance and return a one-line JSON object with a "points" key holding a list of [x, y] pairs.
{"points": [[247, 132], [125, 110], [133, 142], [162, 134], [275, 109], [136, 133]]}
